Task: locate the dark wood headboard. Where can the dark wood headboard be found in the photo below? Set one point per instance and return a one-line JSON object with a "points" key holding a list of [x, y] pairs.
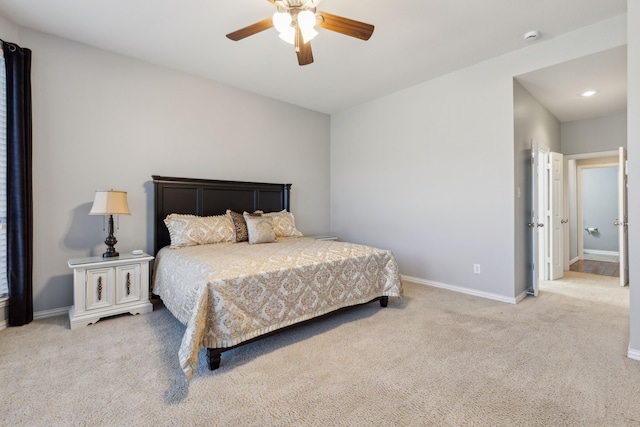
{"points": [[205, 197]]}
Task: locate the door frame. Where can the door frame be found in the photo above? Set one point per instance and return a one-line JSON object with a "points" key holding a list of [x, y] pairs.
{"points": [[578, 194]]}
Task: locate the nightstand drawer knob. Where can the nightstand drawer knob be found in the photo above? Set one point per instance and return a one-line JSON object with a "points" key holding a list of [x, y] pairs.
{"points": [[128, 284], [99, 288]]}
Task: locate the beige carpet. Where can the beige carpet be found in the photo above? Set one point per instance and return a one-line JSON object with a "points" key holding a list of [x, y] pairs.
{"points": [[433, 358]]}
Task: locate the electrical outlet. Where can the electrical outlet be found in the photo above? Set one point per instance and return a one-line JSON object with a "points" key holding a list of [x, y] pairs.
{"points": [[476, 268]]}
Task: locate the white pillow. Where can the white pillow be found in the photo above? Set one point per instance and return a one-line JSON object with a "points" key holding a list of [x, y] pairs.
{"points": [[192, 230]]}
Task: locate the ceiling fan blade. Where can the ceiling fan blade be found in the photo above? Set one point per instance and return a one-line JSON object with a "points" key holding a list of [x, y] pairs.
{"points": [[345, 26], [305, 55], [252, 29], [303, 50]]}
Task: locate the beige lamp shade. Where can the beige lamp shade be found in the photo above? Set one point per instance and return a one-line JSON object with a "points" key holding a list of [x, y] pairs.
{"points": [[110, 202]]}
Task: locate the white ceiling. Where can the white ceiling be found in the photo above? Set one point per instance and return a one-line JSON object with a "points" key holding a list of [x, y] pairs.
{"points": [[559, 87], [413, 41]]}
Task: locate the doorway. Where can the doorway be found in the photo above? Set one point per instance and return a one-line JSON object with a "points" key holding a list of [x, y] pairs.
{"points": [[595, 239]]}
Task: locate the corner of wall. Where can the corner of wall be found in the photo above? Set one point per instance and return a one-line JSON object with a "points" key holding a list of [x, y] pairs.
{"points": [[9, 31]]}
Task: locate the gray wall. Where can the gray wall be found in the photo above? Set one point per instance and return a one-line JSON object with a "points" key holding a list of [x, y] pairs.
{"points": [[531, 121], [600, 208], [594, 135], [429, 172], [102, 120]]}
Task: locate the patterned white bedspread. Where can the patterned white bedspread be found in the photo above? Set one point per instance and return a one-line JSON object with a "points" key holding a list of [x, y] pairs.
{"points": [[227, 293]]}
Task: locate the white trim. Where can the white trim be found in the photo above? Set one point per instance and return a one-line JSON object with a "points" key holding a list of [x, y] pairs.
{"points": [[520, 297], [463, 290], [37, 315], [595, 155], [633, 354], [574, 260], [4, 309], [50, 313], [599, 252]]}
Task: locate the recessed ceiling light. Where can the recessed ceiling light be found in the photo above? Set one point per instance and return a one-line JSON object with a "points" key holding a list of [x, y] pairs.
{"points": [[532, 35], [588, 93]]}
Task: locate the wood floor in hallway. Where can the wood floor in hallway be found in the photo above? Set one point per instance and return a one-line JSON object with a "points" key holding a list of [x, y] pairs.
{"points": [[601, 268]]}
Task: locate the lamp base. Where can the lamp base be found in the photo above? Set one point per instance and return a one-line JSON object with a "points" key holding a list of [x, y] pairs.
{"points": [[111, 252], [110, 241]]}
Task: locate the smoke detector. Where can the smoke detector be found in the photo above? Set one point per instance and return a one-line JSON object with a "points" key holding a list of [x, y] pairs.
{"points": [[532, 35]]}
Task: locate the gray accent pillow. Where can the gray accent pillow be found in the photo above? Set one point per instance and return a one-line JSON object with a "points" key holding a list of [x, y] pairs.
{"points": [[259, 229]]}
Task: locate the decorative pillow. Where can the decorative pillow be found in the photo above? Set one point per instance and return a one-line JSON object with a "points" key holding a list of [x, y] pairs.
{"points": [[192, 230], [284, 224], [259, 229], [240, 225]]}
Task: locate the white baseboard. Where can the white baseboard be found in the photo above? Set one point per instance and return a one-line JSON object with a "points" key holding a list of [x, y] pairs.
{"points": [[598, 252], [50, 313], [4, 320], [463, 290], [633, 354], [574, 260], [4, 313]]}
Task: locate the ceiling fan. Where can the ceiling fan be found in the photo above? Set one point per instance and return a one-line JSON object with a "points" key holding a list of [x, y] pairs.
{"points": [[295, 21]]}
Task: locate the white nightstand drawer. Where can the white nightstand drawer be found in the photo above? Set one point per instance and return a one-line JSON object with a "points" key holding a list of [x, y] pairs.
{"points": [[99, 288], [127, 283]]}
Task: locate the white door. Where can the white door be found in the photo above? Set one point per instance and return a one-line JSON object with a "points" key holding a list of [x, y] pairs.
{"points": [[621, 221], [555, 236], [533, 220]]}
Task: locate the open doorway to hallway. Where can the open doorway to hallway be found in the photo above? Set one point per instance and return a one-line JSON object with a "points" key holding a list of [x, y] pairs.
{"points": [[549, 108], [592, 193]]}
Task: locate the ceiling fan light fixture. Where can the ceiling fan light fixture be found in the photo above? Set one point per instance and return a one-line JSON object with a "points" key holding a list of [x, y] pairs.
{"points": [[288, 35], [282, 21], [306, 22], [308, 34]]}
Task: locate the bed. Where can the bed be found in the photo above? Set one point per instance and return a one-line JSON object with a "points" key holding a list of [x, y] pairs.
{"points": [[231, 292]]}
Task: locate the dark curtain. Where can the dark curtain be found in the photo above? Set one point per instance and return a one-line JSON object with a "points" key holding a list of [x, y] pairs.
{"points": [[19, 191]]}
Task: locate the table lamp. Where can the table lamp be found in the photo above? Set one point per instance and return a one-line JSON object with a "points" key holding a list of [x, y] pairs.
{"points": [[110, 202]]}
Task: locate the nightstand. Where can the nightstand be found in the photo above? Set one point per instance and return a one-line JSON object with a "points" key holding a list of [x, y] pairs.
{"points": [[108, 286]]}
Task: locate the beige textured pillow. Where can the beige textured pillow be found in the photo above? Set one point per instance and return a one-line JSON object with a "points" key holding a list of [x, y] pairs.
{"points": [[284, 224], [192, 230], [259, 229]]}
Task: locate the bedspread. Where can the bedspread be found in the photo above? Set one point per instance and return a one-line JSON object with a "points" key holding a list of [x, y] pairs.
{"points": [[227, 293]]}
